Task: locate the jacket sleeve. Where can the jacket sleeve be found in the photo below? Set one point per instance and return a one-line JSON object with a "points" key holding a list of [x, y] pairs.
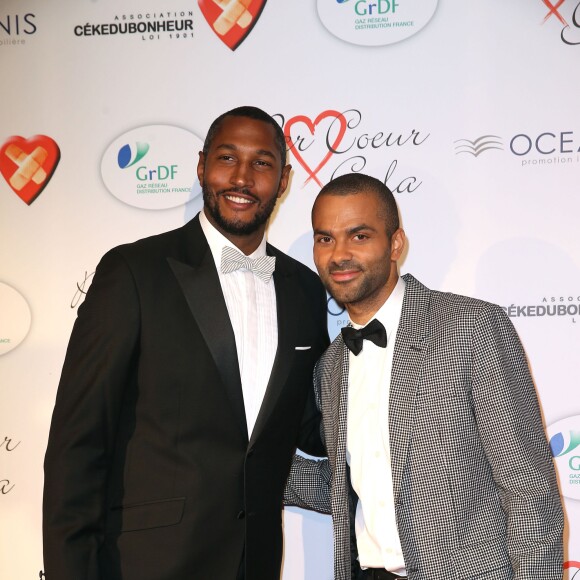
{"points": [[308, 484], [99, 365], [309, 438], [509, 422]]}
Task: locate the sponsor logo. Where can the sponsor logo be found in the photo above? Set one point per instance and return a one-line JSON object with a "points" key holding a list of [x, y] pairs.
{"points": [[232, 20], [334, 143], [566, 307], [569, 20], [547, 148], [128, 158], [145, 26], [564, 443], [15, 316], [28, 164], [479, 145], [153, 167], [16, 28], [564, 437], [375, 22]]}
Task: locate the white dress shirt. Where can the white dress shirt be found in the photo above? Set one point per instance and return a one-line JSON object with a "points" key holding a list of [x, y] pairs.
{"points": [[368, 452], [251, 305]]}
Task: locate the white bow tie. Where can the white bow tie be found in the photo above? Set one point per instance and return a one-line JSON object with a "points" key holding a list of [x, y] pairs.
{"points": [[232, 260]]}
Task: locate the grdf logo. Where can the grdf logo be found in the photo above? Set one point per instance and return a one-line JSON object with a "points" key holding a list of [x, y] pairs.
{"points": [[126, 158], [375, 22], [564, 437], [153, 167], [564, 443]]}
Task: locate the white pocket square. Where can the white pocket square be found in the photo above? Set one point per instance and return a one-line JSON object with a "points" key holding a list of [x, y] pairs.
{"points": [[302, 347]]}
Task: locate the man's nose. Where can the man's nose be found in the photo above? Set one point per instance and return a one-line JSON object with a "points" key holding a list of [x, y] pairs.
{"points": [[341, 252], [242, 175]]}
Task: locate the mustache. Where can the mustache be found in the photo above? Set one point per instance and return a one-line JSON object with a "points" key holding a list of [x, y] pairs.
{"points": [[243, 190], [343, 266]]}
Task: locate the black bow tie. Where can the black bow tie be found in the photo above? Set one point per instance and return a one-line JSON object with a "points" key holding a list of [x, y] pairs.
{"points": [[374, 331]]}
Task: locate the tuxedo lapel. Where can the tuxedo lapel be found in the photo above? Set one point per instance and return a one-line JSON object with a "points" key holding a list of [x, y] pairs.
{"points": [[287, 306], [410, 350], [199, 281]]}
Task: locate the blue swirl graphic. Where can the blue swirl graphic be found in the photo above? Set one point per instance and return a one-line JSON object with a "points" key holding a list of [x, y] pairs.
{"points": [[557, 444], [124, 156]]}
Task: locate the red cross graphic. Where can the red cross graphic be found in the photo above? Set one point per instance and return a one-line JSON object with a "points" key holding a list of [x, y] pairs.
{"points": [[553, 11]]}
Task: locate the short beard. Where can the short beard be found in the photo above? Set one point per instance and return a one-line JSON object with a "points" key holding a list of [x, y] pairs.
{"points": [[236, 227], [366, 291]]}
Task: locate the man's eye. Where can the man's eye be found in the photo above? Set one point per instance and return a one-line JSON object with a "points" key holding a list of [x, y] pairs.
{"points": [[360, 237], [262, 163]]}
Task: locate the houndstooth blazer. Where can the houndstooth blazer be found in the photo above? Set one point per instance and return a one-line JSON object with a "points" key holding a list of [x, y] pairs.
{"points": [[474, 485]]}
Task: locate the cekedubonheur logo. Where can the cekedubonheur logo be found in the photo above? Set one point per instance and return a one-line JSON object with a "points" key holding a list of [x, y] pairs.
{"points": [[375, 22], [565, 447], [153, 167]]}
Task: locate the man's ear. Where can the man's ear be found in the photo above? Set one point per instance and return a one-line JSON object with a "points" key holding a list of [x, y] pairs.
{"points": [[284, 179], [398, 241], [200, 167]]}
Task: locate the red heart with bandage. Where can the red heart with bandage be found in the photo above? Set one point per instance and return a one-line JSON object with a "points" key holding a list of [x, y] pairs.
{"points": [[28, 164], [231, 20]]}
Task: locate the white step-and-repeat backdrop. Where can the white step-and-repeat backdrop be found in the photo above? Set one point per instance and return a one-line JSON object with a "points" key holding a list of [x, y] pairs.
{"points": [[469, 111]]}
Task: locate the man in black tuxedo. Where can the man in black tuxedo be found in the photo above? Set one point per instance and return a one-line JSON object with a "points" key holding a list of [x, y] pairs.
{"points": [[186, 387]]}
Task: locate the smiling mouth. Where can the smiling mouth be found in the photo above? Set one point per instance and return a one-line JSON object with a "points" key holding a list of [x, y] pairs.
{"points": [[237, 199], [239, 196], [344, 275]]}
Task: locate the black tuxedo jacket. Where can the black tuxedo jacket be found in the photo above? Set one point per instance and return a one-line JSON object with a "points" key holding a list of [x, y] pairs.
{"points": [[149, 472]]}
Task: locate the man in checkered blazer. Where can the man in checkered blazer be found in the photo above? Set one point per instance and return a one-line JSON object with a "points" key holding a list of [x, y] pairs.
{"points": [[447, 473]]}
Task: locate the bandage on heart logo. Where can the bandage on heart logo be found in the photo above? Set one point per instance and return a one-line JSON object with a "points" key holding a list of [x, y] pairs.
{"points": [[28, 164], [232, 20], [311, 125]]}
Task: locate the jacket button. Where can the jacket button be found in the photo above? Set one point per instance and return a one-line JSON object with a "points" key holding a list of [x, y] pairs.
{"points": [[241, 515], [250, 452]]}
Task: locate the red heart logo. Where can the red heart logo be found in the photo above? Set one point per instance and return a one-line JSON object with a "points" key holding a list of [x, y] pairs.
{"points": [[232, 20], [312, 126], [28, 164]]}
